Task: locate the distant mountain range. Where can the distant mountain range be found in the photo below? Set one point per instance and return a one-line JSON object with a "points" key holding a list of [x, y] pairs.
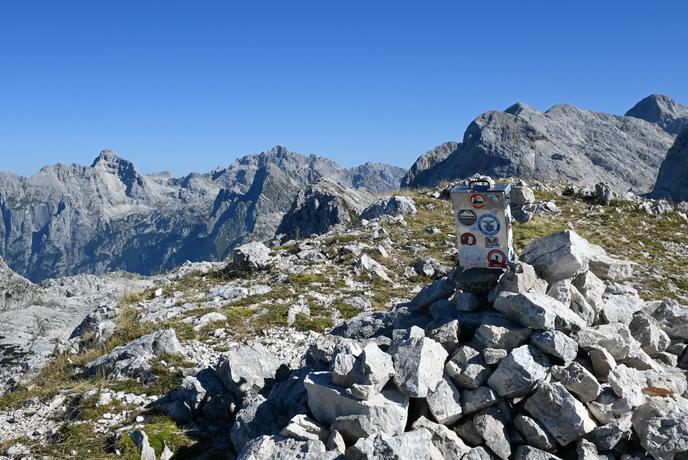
{"points": [[564, 143], [74, 219], [70, 219]]}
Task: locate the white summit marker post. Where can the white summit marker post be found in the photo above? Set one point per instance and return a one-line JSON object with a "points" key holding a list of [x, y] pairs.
{"points": [[483, 222]]}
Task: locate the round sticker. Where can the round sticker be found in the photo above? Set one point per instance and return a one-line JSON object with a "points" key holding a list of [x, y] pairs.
{"points": [[477, 200], [496, 258], [467, 217], [488, 224], [468, 239]]}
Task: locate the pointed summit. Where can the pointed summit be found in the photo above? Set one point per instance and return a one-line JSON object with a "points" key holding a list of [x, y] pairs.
{"points": [[106, 156], [108, 161], [671, 116]]}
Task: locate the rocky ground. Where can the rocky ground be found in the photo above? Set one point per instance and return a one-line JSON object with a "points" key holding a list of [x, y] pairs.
{"points": [[368, 342]]}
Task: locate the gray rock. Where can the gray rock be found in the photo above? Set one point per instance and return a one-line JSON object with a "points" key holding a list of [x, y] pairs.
{"points": [[440, 289], [477, 453], [531, 453], [521, 194], [583, 308], [592, 288], [602, 362], [443, 309], [336, 442], [558, 256], [534, 433], [246, 368], [466, 301], [502, 334], [251, 256], [140, 439], [562, 415], [200, 395], [519, 372], [281, 448], [609, 436], [446, 333], [671, 180], [416, 444], [672, 318], [391, 206], [662, 426], [538, 311], [419, 365], [303, 428], [492, 428], [519, 277], [478, 399], [467, 368], [355, 427], [267, 416], [371, 265], [445, 440], [493, 356], [372, 367], [466, 430], [637, 385], [604, 194], [647, 331], [342, 367], [620, 308], [444, 402], [588, 451], [386, 410], [133, 359], [555, 343], [615, 338], [578, 380], [609, 268]]}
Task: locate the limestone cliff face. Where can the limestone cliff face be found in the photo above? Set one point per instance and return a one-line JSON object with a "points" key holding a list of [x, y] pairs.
{"points": [[75, 219], [564, 143], [672, 180]]}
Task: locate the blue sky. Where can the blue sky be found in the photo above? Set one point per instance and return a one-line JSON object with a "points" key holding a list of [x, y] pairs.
{"points": [[188, 86]]}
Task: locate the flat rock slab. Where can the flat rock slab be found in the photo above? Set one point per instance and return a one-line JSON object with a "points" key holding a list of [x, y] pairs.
{"points": [[388, 409], [538, 311]]}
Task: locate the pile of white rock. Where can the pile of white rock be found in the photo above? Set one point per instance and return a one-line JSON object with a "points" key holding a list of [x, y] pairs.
{"points": [[553, 358]]}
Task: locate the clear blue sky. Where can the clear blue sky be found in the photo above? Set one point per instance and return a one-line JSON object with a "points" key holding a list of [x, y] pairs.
{"points": [[188, 86]]}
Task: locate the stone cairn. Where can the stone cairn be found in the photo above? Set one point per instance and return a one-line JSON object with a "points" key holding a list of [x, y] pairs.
{"points": [[553, 358]]}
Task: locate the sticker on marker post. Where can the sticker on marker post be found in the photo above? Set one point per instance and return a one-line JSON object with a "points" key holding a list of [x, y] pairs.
{"points": [[496, 258], [468, 239], [467, 217], [488, 224], [477, 200]]}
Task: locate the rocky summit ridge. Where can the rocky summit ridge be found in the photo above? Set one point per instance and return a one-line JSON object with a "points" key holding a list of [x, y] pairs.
{"points": [[368, 342], [72, 219], [564, 143]]}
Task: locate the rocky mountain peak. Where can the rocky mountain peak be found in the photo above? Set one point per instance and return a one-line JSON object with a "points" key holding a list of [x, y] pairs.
{"points": [[111, 163], [106, 157], [518, 108], [663, 111]]}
